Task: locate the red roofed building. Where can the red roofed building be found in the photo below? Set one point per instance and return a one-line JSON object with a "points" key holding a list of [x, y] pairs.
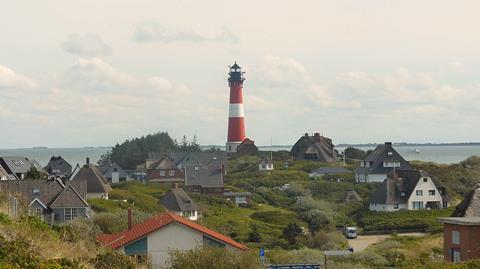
{"points": [[155, 237]]}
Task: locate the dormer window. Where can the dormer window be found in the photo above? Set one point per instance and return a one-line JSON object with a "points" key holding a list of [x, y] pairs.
{"points": [[36, 192], [196, 168], [425, 179], [403, 194], [390, 154]]}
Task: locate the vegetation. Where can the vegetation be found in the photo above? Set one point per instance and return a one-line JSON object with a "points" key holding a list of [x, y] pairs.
{"points": [[133, 152], [33, 173], [213, 258]]}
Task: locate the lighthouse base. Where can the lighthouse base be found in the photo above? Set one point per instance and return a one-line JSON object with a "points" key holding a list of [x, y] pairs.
{"points": [[231, 147]]}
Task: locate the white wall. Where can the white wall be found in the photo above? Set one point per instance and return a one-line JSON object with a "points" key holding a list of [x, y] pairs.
{"points": [[425, 187]]}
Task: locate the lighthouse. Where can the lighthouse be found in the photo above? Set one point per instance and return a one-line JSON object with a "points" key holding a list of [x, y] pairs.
{"points": [[236, 117]]}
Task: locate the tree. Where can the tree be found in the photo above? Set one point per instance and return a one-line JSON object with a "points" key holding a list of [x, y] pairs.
{"points": [[33, 173], [254, 235], [354, 153], [318, 219], [291, 232]]}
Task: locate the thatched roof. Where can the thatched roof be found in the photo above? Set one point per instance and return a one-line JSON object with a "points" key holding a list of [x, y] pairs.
{"points": [[470, 206]]}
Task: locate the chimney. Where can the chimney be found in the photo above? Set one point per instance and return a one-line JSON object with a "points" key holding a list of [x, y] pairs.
{"points": [[129, 218], [388, 144], [316, 134], [87, 161], [306, 134]]}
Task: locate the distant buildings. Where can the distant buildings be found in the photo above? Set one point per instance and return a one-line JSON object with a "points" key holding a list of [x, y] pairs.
{"points": [[90, 182], [239, 198], [18, 167], [164, 170], [247, 147], [157, 236], [179, 202], [50, 200], [316, 148], [113, 172], [352, 196], [379, 163], [409, 190], [59, 168], [328, 170]]}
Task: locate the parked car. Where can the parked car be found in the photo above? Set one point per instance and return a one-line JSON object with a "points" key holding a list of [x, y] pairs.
{"points": [[350, 232]]}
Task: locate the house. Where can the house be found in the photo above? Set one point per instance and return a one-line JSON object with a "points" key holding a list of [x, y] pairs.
{"points": [[323, 171], [266, 164], [157, 236], [470, 206], [179, 202], [18, 167], [379, 163], [112, 172], [163, 170], [247, 147], [58, 167], [50, 200], [410, 190], [461, 238], [204, 171], [352, 196], [316, 147], [238, 197], [205, 179], [89, 182]]}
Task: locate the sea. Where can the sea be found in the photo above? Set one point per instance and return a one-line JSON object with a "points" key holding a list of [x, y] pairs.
{"points": [[445, 154]]}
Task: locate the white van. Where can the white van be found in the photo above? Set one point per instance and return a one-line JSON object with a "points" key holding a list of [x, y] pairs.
{"points": [[350, 232]]}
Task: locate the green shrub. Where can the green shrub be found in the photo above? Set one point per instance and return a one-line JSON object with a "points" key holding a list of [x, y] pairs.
{"points": [[113, 259], [277, 217], [4, 219], [212, 258]]}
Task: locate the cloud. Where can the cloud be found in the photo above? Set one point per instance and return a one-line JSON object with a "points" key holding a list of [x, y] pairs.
{"points": [[11, 80], [87, 45], [154, 32]]}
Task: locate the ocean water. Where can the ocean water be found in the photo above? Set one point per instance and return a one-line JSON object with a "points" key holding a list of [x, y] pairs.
{"points": [[439, 153]]}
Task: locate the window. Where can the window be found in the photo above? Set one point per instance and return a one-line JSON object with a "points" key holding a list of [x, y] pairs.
{"points": [[431, 192], [362, 164], [70, 213], [425, 179], [210, 242], [263, 166], [171, 172], [456, 255], [403, 194], [241, 200], [417, 205], [395, 206], [367, 164], [188, 213], [37, 211], [456, 237], [419, 192], [196, 168], [391, 164], [390, 153], [36, 192], [162, 173]]}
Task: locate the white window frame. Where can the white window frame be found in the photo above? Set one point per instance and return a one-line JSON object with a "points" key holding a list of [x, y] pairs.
{"points": [[171, 173], [456, 237], [431, 192], [419, 192], [162, 173], [73, 213]]}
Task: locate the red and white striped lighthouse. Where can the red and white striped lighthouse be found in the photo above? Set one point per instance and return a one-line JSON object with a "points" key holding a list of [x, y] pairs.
{"points": [[236, 117]]}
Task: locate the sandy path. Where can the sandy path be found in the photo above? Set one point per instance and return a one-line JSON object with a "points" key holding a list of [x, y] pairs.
{"points": [[363, 241]]}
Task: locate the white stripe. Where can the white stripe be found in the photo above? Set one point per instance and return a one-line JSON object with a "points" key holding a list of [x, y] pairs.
{"points": [[236, 111]]}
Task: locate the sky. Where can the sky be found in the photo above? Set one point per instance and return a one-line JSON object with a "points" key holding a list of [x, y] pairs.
{"points": [[94, 73]]}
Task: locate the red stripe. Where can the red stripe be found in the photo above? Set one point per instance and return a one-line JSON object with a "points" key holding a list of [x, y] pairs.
{"points": [[236, 95], [236, 129]]}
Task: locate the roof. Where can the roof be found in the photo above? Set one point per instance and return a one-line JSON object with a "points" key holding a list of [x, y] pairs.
{"points": [[330, 170], [470, 206], [20, 165], [107, 168], [235, 65], [317, 147], [96, 182], [383, 153], [467, 221], [234, 194], [182, 158], [69, 197], [58, 166], [178, 200], [352, 196], [141, 230], [205, 176], [163, 163], [51, 193], [3, 173]]}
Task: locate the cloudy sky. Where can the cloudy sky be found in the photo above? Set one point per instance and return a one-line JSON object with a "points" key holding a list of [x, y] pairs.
{"points": [[94, 73]]}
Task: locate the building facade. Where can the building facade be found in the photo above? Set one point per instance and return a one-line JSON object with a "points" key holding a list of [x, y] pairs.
{"points": [[461, 238]]}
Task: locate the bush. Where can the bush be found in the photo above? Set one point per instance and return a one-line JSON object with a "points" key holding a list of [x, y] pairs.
{"points": [[113, 259], [212, 258], [118, 221]]}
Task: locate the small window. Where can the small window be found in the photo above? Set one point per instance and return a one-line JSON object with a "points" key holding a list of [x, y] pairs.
{"points": [[456, 237], [171, 172], [362, 164], [36, 192], [419, 192], [403, 194], [195, 168], [367, 164], [390, 153], [263, 166], [431, 192], [425, 179], [162, 173]]}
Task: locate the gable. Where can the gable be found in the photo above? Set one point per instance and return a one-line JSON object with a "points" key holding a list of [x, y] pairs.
{"points": [[95, 182], [69, 198]]}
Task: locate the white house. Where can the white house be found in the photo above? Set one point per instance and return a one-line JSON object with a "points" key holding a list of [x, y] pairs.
{"points": [[410, 190], [266, 164], [157, 236], [379, 163]]}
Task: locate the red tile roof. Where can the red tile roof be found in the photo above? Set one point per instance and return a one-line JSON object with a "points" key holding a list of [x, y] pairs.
{"points": [[138, 231]]}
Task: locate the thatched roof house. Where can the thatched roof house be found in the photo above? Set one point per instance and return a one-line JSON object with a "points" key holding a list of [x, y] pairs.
{"points": [[470, 206], [316, 147]]}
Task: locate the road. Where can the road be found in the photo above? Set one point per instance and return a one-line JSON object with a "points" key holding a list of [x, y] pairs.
{"points": [[363, 241]]}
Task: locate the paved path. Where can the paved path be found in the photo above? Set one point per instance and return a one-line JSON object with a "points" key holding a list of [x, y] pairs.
{"points": [[363, 241]]}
